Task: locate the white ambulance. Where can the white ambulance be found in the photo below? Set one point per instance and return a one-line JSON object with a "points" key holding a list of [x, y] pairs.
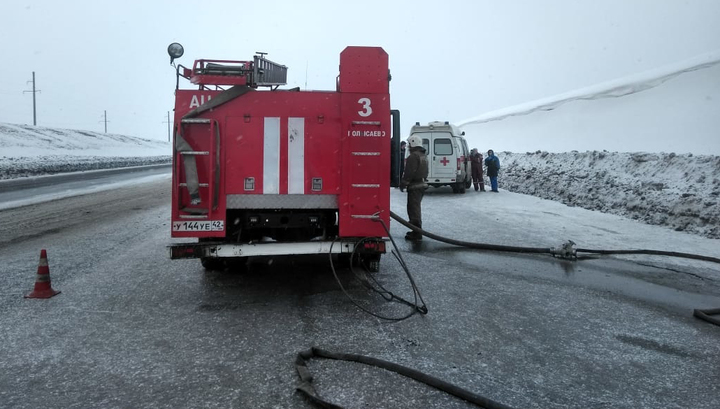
{"points": [[447, 154]]}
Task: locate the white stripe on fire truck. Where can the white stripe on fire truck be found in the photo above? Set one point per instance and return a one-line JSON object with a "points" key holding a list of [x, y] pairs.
{"points": [[271, 155], [296, 155]]}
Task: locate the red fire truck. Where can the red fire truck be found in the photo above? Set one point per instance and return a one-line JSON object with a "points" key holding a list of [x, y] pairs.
{"points": [[264, 171]]}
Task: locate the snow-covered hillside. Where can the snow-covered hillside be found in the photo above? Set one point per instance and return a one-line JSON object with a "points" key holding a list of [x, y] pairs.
{"points": [[670, 109], [677, 191], [34, 150]]}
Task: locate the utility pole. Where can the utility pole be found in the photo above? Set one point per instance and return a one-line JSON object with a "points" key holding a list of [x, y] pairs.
{"points": [[33, 92], [105, 120], [168, 122]]}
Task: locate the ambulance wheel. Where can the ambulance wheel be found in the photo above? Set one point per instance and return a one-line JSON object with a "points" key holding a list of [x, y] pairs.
{"points": [[212, 263], [454, 188], [468, 184], [461, 187]]}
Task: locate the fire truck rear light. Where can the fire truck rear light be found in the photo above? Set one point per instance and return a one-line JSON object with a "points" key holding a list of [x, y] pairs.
{"points": [[184, 252], [317, 184], [375, 246], [249, 183]]}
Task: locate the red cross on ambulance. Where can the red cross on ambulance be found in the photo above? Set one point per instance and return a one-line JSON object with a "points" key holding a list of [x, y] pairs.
{"points": [[444, 161]]}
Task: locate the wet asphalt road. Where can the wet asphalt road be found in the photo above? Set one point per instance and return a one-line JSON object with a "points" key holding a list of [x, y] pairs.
{"points": [[134, 329]]}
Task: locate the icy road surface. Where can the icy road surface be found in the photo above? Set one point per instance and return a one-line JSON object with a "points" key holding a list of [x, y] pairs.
{"points": [[135, 329]]}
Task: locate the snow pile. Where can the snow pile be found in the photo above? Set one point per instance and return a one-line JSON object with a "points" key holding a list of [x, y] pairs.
{"points": [[33, 150], [677, 191], [669, 109]]}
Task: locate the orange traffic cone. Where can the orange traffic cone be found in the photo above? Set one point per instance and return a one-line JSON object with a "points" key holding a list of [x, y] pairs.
{"points": [[43, 289]]}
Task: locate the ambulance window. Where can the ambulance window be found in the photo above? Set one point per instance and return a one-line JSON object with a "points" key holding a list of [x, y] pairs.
{"points": [[426, 145], [443, 147]]}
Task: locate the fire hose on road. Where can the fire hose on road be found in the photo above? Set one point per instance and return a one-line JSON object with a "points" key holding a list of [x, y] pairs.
{"points": [[569, 251], [566, 251]]}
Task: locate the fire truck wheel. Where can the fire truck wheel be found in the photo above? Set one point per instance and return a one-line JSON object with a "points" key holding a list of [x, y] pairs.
{"points": [[212, 263], [372, 262], [344, 259], [237, 262]]}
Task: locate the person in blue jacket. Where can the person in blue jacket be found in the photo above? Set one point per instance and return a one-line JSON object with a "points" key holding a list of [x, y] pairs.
{"points": [[493, 167]]}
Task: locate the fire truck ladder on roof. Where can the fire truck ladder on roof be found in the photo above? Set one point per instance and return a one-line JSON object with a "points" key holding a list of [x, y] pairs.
{"points": [[267, 73], [200, 204]]}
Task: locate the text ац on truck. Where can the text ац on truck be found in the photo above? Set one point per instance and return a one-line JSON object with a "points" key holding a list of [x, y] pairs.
{"points": [[264, 171]]}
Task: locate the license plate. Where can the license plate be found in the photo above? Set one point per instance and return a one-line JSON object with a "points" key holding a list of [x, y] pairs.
{"points": [[205, 225]]}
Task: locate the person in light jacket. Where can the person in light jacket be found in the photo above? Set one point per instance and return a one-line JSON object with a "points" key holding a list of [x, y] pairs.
{"points": [[413, 180]]}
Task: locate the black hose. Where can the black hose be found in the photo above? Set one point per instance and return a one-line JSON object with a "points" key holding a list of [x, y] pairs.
{"points": [[654, 252], [416, 308], [706, 315], [479, 246], [543, 250], [702, 314], [307, 388]]}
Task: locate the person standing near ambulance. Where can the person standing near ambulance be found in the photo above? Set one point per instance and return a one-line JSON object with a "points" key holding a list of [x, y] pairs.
{"points": [[476, 162], [413, 180], [493, 167]]}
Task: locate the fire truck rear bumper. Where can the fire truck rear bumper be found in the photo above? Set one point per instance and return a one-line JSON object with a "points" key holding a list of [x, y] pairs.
{"points": [[197, 250]]}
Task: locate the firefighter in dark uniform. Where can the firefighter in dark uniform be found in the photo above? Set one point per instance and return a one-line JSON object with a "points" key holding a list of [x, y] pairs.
{"points": [[416, 171], [476, 161]]}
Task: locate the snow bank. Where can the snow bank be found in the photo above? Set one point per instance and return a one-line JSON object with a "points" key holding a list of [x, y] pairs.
{"points": [[678, 191], [34, 150], [671, 109]]}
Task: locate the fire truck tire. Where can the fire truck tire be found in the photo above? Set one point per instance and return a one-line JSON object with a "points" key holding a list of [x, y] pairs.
{"points": [[344, 259], [212, 263], [372, 262]]}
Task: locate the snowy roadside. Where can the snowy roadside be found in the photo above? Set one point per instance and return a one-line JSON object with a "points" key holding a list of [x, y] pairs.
{"points": [[676, 191], [27, 151], [12, 168], [679, 191]]}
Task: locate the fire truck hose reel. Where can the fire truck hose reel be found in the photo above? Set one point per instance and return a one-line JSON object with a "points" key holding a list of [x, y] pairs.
{"points": [[306, 378]]}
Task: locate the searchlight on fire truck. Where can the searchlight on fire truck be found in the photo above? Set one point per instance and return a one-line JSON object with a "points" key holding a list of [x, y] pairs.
{"points": [[264, 171]]}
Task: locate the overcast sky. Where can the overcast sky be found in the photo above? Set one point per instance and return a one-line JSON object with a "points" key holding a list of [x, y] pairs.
{"points": [[450, 60]]}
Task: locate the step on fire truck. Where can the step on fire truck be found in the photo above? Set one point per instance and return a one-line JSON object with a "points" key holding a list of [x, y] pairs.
{"points": [[264, 171]]}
